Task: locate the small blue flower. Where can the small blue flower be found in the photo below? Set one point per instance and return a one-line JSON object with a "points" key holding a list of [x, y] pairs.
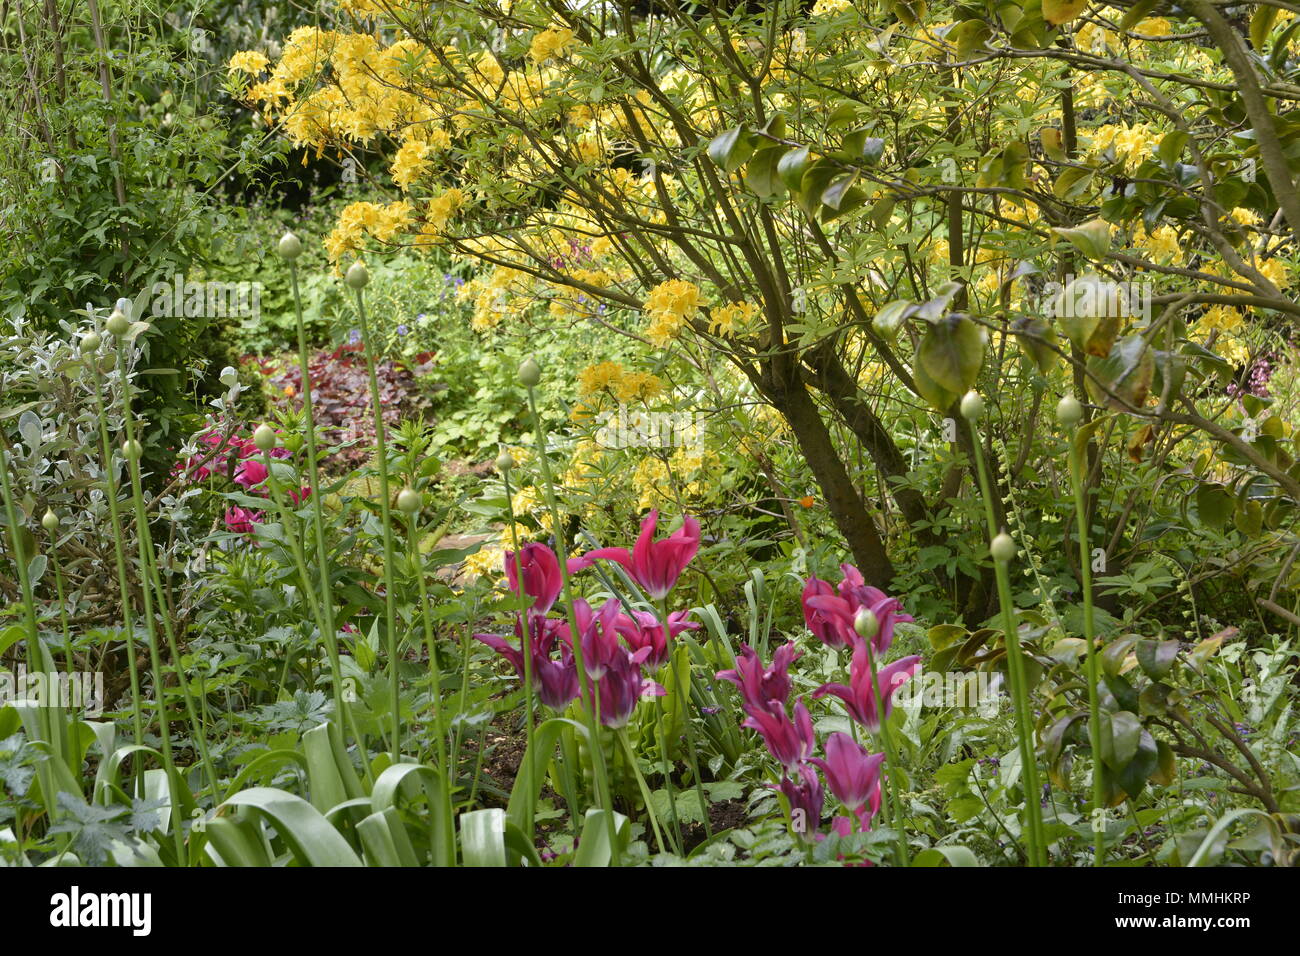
{"points": [[402, 329], [354, 336]]}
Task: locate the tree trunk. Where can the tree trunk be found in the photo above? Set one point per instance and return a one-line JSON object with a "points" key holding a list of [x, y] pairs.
{"points": [[790, 397]]}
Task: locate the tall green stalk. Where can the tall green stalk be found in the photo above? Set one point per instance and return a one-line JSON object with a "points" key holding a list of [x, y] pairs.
{"points": [[118, 326], [1069, 412], [504, 464], [153, 580], [1003, 550], [530, 376], [357, 277], [893, 803], [89, 345]]}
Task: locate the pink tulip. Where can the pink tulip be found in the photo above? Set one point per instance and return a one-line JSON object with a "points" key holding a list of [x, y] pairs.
{"points": [[654, 565], [643, 629], [852, 773], [599, 636], [761, 687], [250, 473], [541, 571], [805, 799], [241, 520], [556, 681], [622, 686], [859, 698], [789, 741], [826, 626], [888, 610]]}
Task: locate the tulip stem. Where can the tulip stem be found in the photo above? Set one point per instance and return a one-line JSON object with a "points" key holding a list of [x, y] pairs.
{"points": [[682, 684], [1034, 834], [1090, 636], [385, 518], [526, 649], [590, 703], [645, 790], [893, 806]]}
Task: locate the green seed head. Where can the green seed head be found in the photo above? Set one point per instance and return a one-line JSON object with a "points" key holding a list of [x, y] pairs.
{"points": [[264, 438], [132, 449], [972, 406], [90, 343], [408, 501], [290, 247], [505, 461], [50, 522], [1003, 548], [530, 374], [1069, 411], [118, 323], [866, 623], [357, 276]]}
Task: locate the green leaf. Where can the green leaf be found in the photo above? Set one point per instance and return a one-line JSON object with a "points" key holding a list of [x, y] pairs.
{"points": [[730, 149], [1120, 732], [952, 352], [1213, 505], [311, 838], [761, 173], [1091, 238]]}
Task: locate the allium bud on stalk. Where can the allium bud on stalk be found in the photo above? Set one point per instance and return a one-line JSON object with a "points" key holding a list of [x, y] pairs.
{"points": [[290, 247], [1003, 548], [264, 437], [408, 501], [1069, 411], [358, 276], [530, 374]]}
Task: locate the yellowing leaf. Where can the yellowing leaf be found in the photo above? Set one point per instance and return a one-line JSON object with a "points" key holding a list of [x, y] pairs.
{"points": [[1056, 12]]}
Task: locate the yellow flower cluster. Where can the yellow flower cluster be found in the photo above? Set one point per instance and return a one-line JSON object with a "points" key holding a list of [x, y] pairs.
{"points": [[687, 476], [826, 7], [362, 219], [248, 61], [439, 210], [1132, 144], [550, 43], [613, 379], [1162, 245], [488, 561], [671, 305], [728, 319]]}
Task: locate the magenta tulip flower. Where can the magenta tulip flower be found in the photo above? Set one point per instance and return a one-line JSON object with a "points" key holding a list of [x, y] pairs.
{"points": [[241, 520], [556, 681], [833, 617], [822, 616], [859, 698], [852, 773], [250, 473], [599, 636], [643, 629], [654, 565], [806, 800], [888, 610], [789, 741], [761, 687], [622, 686], [541, 573]]}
